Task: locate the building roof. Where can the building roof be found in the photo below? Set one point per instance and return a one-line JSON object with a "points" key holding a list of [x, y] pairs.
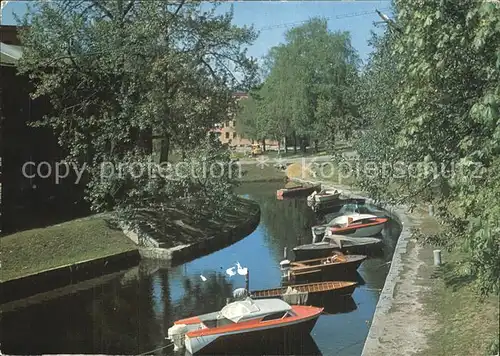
{"points": [[10, 54], [250, 309]]}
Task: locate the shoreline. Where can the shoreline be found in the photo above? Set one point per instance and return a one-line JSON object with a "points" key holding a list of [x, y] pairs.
{"points": [[68, 274]]}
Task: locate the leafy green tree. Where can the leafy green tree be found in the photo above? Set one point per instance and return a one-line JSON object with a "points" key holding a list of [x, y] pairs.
{"points": [[127, 79], [309, 88], [442, 71]]}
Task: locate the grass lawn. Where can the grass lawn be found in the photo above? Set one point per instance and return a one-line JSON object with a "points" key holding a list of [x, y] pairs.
{"points": [[32, 251], [291, 154], [466, 325], [329, 172], [176, 227], [254, 173]]}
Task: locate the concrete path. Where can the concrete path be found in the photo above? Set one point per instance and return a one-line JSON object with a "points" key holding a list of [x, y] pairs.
{"points": [[272, 160], [399, 325]]}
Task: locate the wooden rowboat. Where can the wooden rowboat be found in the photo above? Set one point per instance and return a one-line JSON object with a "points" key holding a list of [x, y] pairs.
{"points": [[339, 288], [338, 265]]}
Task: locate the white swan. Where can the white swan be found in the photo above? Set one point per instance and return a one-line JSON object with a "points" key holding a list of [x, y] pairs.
{"points": [[230, 271], [241, 271]]}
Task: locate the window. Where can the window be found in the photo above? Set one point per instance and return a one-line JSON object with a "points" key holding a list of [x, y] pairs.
{"points": [[234, 123], [227, 134], [234, 135]]}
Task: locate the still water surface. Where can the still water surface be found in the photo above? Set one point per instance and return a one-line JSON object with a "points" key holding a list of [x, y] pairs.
{"points": [[130, 312]]}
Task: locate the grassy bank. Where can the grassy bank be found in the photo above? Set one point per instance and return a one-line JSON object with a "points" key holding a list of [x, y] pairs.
{"points": [[466, 325], [32, 251], [254, 173], [462, 323], [175, 227]]}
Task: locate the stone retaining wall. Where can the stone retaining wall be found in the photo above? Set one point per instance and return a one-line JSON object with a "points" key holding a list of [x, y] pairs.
{"points": [[65, 275]]}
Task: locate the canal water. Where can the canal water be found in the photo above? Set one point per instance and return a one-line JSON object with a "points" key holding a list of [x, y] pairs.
{"points": [[130, 312]]}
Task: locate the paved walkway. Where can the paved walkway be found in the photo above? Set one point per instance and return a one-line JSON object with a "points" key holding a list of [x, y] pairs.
{"points": [[399, 324]]}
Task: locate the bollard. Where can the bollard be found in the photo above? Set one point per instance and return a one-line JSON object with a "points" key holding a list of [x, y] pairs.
{"points": [[247, 281], [437, 257], [431, 210]]}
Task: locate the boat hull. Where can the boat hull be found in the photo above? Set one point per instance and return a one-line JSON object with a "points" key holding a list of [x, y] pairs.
{"points": [[308, 254], [332, 289], [244, 341], [295, 192], [365, 231], [342, 271]]}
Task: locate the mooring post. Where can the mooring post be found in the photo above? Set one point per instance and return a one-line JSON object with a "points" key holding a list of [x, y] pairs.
{"points": [[437, 257], [247, 281]]}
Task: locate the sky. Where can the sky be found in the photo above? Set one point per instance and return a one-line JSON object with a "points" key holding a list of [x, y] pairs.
{"points": [[273, 18]]}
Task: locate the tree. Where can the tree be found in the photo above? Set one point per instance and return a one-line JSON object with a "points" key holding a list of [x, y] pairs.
{"points": [[444, 119], [310, 84], [127, 79]]}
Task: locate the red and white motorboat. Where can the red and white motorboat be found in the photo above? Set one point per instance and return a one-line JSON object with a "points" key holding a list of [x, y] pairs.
{"points": [[243, 323], [356, 225]]}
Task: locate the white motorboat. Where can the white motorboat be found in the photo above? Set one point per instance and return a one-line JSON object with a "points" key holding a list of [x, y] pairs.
{"points": [[242, 324], [356, 225]]}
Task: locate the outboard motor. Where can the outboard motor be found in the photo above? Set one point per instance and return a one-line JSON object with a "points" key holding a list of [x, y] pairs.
{"points": [[176, 334], [285, 268]]}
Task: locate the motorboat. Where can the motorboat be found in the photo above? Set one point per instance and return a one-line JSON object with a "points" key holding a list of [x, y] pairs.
{"points": [[326, 195], [337, 265], [241, 324], [331, 243], [356, 225], [297, 191]]}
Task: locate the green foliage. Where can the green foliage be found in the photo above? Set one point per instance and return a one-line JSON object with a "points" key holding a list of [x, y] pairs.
{"points": [[248, 122], [431, 97], [310, 85], [121, 74], [202, 182]]}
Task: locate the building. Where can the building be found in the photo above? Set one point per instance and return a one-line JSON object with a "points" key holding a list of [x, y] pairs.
{"points": [[228, 134], [27, 202]]}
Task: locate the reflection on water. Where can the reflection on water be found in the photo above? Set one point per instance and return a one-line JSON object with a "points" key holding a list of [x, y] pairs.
{"points": [[130, 313]]}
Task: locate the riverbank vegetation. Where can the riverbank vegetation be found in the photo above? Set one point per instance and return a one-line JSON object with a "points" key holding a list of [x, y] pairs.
{"points": [[465, 323], [31, 251], [431, 103]]}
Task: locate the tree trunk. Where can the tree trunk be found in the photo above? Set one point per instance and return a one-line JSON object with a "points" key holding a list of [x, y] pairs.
{"points": [[286, 145], [279, 146], [303, 144], [316, 146], [160, 147], [294, 143], [263, 145]]}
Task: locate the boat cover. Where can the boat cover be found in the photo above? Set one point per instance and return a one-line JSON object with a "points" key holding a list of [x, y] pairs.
{"points": [[251, 309]]}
